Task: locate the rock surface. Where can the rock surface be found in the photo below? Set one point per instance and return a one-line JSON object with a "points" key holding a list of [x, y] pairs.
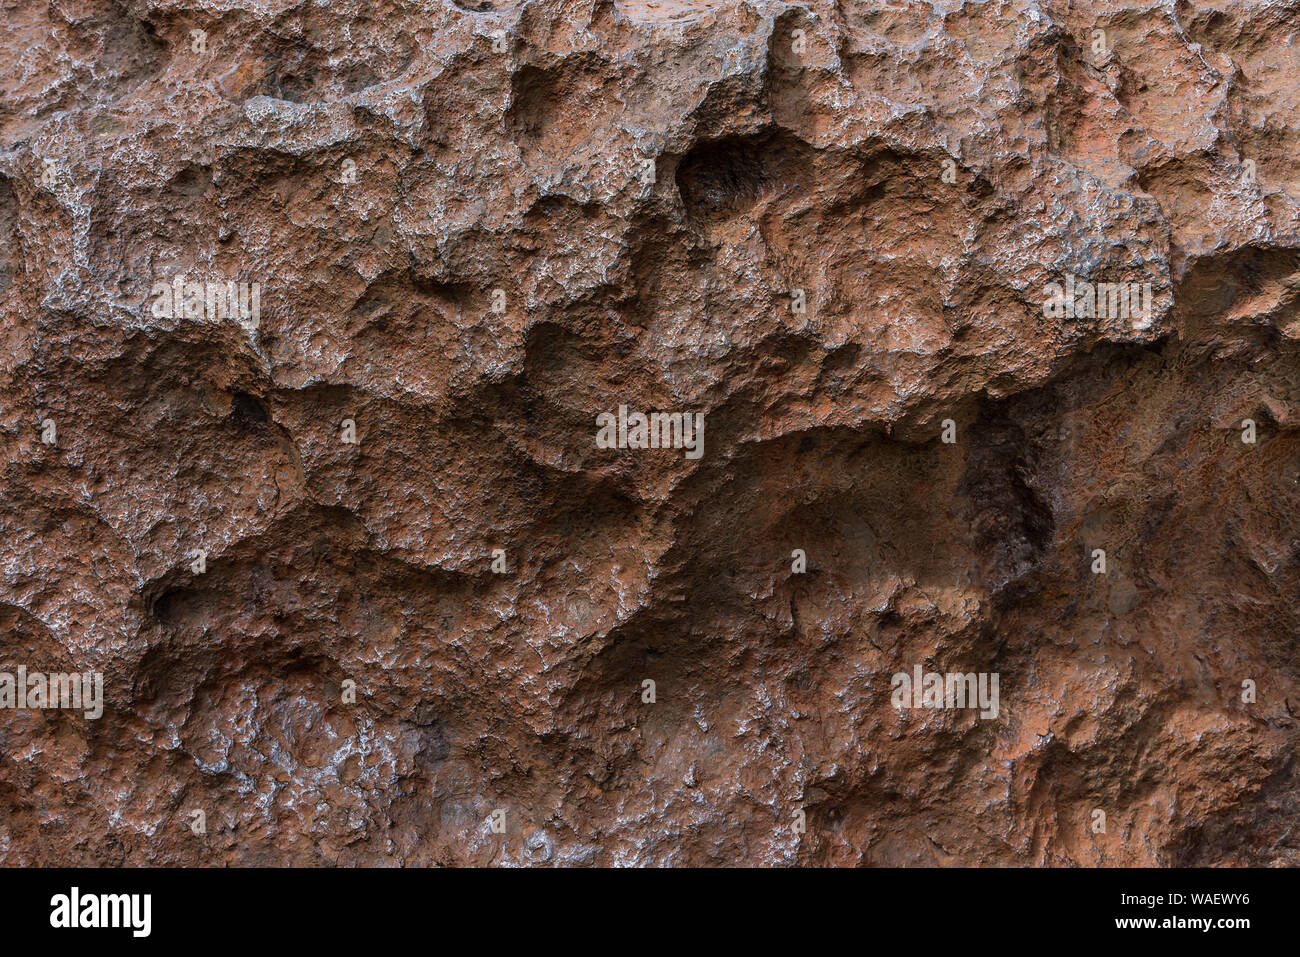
{"points": [[476, 226]]}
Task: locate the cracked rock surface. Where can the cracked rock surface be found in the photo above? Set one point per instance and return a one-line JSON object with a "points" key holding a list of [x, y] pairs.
{"points": [[475, 227]]}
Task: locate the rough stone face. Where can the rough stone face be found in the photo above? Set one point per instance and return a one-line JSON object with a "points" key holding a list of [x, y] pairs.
{"points": [[476, 226]]}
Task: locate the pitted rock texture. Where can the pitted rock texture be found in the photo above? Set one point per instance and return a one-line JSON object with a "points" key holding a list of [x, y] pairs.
{"points": [[476, 226]]}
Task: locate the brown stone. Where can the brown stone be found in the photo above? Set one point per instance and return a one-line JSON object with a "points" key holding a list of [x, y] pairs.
{"points": [[475, 227]]}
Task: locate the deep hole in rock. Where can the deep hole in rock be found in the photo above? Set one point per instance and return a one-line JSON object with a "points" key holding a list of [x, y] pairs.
{"points": [[721, 179], [249, 413]]}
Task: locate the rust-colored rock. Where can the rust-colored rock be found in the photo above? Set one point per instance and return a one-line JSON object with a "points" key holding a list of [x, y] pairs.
{"points": [[459, 234]]}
